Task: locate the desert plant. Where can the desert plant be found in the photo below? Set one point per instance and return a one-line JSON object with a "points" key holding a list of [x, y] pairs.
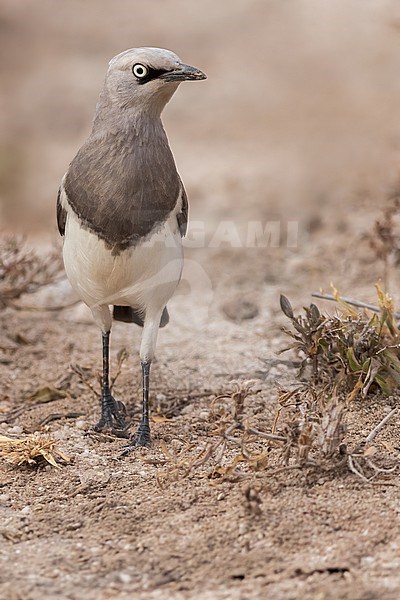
{"points": [[23, 271], [384, 238], [349, 353]]}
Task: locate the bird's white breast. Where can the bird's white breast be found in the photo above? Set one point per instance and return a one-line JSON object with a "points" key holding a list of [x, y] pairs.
{"points": [[145, 275]]}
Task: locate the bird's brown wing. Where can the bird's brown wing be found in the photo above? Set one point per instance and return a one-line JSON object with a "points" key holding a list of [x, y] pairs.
{"points": [[61, 214], [183, 215], [120, 189]]}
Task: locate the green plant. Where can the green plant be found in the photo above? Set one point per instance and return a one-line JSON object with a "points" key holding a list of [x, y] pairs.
{"points": [[349, 354]]}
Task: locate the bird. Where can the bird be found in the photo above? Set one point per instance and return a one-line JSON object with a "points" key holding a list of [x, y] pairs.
{"points": [[122, 210]]}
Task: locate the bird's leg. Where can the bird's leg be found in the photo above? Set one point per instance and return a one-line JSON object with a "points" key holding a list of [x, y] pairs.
{"points": [[147, 348], [142, 436], [113, 412]]}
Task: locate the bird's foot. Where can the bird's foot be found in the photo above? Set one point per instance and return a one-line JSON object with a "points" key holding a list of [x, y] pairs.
{"points": [[112, 420], [141, 438]]}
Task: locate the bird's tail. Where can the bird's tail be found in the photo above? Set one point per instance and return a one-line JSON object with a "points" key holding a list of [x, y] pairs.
{"points": [[127, 314]]}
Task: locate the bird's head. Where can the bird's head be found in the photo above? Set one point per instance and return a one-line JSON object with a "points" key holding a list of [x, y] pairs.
{"points": [[146, 78]]}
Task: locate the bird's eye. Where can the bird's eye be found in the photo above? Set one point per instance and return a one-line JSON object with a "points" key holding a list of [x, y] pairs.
{"points": [[140, 71]]}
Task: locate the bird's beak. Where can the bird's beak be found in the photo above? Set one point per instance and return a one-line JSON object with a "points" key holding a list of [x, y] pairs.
{"points": [[184, 73]]}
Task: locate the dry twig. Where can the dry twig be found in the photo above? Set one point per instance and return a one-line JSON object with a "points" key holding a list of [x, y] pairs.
{"points": [[23, 271], [351, 302]]}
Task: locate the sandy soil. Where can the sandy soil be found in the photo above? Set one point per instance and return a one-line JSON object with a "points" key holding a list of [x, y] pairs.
{"points": [[318, 148]]}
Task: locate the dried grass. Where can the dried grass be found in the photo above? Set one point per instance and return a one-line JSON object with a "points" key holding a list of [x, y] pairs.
{"points": [[23, 271], [308, 432], [31, 450]]}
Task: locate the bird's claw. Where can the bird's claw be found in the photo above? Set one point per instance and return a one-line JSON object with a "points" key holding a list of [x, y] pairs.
{"points": [[112, 419], [141, 439]]}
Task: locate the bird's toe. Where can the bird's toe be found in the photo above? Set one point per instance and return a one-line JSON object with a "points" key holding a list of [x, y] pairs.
{"points": [[113, 419], [141, 439]]}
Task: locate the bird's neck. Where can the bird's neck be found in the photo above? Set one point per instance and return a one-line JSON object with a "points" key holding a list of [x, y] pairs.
{"points": [[143, 127], [142, 122]]}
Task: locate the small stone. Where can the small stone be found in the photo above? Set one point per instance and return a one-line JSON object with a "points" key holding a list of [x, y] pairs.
{"points": [[26, 510], [117, 474], [81, 424], [94, 476], [221, 496], [242, 528], [17, 430], [240, 310], [4, 499], [124, 578]]}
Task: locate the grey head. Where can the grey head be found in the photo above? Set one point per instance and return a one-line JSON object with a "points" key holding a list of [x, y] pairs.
{"points": [[123, 182], [144, 79]]}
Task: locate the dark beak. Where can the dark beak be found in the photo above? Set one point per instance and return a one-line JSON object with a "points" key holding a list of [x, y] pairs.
{"points": [[184, 73]]}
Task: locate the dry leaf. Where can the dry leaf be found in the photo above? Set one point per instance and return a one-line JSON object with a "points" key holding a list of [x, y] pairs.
{"points": [[46, 394], [160, 419], [21, 339], [370, 451], [389, 447]]}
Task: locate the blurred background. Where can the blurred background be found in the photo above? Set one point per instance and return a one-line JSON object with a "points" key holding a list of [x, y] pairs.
{"points": [[301, 107], [299, 118], [298, 122]]}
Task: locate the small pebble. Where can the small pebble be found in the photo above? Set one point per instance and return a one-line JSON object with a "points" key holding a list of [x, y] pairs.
{"points": [[117, 474], [17, 429], [124, 578], [242, 528], [26, 510], [240, 310]]}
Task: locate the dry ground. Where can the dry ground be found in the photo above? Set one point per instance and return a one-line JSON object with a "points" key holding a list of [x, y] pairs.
{"points": [[299, 123]]}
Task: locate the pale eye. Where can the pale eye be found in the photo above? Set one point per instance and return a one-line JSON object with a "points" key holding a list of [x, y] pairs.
{"points": [[140, 71]]}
